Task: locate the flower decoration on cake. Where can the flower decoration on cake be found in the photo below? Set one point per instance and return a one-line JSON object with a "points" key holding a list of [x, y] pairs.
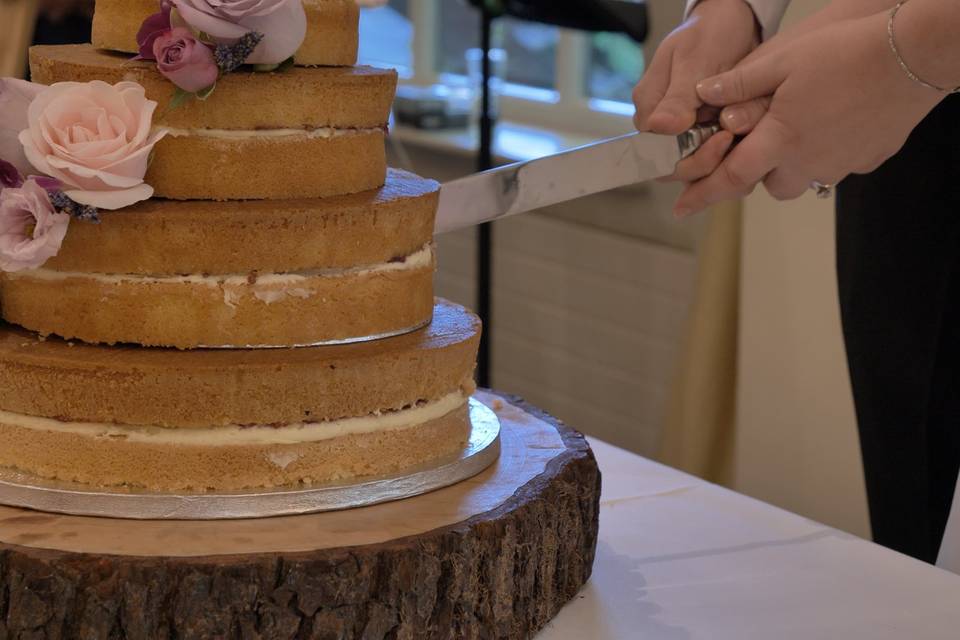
{"points": [[95, 138], [184, 60], [66, 151], [194, 42], [31, 229]]}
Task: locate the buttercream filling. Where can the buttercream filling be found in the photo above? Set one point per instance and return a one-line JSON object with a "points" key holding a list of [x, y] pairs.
{"points": [[244, 134], [422, 258], [237, 435]]}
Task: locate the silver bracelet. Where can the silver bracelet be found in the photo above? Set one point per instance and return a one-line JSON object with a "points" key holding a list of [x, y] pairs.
{"points": [[900, 61]]}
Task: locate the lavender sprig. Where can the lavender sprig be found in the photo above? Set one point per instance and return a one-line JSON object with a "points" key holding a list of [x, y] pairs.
{"points": [[61, 202], [231, 56]]}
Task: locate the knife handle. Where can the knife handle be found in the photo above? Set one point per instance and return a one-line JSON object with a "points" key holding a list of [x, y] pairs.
{"points": [[695, 138]]}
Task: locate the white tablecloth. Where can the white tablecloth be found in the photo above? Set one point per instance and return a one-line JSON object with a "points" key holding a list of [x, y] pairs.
{"points": [[679, 558]]}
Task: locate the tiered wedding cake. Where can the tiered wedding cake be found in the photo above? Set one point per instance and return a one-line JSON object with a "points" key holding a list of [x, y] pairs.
{"points": [[239, 207]]}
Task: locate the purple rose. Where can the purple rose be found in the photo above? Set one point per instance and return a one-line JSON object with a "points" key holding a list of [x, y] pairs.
{"points": [[151, 29], [31, 231], [10, 176], [49, 184], [283, 24], [184, 60]]}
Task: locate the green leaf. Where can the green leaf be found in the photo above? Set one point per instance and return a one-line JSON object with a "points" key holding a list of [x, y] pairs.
{"points": [[180, 98], [286, 64], [203, 94]]}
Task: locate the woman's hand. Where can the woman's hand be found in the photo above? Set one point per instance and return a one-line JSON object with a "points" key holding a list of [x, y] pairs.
{"points": [[742, 118], [840, 105], [718, 34]]}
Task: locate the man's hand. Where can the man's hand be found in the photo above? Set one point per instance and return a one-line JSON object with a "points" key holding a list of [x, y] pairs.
{"points": [[718, 34]]}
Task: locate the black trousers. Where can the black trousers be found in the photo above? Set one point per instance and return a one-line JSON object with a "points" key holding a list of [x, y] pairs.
{"points": [[898, 264]]}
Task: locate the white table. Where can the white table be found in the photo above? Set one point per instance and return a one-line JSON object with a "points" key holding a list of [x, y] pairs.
{"points": [[680, 558]]}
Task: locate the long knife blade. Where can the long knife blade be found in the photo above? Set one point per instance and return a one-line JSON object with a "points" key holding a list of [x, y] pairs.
{"points": [[601, 166]]}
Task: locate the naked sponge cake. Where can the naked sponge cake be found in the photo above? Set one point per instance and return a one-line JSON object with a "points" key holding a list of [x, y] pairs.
{"points": [[249, 273], [210, 279], [300, 132], [235, 419]]}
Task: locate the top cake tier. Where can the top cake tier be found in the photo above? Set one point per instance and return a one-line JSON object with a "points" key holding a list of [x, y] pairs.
{"points": [[260, 135], [331, 38]]}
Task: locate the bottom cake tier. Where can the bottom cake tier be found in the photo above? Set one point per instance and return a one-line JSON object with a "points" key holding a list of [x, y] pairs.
{"points": [[202, 421]]}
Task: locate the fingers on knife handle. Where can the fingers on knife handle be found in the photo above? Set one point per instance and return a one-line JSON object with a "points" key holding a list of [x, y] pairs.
{"points": [[694, 138]]}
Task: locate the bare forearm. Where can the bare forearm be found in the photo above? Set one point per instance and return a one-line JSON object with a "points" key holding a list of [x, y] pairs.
{"points": [[836, 11], [926, 35], [846, 9]]}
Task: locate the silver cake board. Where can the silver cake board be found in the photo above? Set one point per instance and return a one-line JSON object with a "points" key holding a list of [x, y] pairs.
{"points": [[482, 450]]}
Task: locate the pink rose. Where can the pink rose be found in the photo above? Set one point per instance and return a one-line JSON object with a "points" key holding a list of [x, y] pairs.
{"points": [[31, 232], [15, 98], [283, 24], [184, 60], [95, 138]]}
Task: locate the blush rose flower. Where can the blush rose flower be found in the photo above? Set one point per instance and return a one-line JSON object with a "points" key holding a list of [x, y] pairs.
{"points": [[184, 60], [31, 231], [283, 24], [15, 98], [94, 138]]}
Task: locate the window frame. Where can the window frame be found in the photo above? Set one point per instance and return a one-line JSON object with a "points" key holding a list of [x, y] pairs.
{"points": [[570, 110]]}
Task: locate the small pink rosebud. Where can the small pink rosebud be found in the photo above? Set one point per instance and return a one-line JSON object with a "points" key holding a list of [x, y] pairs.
{"points": [[184, 60]]}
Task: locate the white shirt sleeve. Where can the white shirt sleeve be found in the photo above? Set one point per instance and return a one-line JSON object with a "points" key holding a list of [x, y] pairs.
{"points": [[769, 13]]}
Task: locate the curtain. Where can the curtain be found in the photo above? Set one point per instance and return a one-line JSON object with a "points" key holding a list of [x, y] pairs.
{"points": [[699, 428]]}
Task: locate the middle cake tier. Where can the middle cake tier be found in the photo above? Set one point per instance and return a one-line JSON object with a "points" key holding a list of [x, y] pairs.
{"points": [[302, 132], [238, 274]]}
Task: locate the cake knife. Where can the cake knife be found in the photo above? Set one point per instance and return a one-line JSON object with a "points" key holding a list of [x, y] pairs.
{"points": [[597, 167]]}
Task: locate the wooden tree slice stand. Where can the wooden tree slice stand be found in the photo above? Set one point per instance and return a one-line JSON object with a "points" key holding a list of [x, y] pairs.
{"points": [[495, 556]]}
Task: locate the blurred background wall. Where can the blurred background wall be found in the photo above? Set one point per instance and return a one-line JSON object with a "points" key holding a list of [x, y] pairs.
{"points": [[796, 442]]}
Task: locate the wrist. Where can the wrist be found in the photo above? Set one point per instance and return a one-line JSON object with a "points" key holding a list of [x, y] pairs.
{"points": [[898, 87], [924, 38], [738, 8]]}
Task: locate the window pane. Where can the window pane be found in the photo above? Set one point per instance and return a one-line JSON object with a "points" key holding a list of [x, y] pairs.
{"points": [[386, 36], [615, 65], [531, 52], [531, 48], [459, 30]]}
